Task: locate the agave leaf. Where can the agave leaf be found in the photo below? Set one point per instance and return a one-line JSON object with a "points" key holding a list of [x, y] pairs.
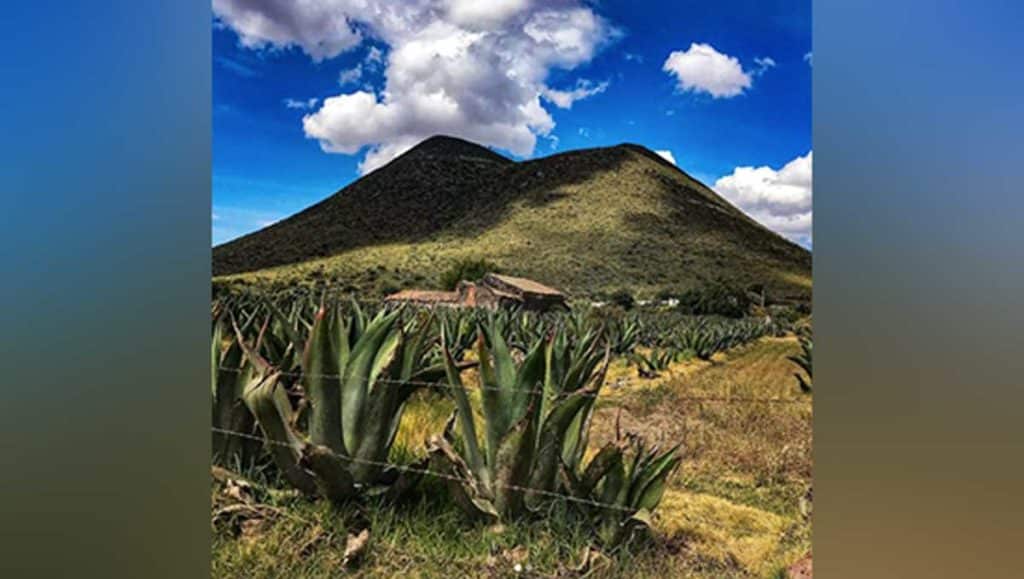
{"points": [[609, 457], [270, 406], [251, 353], [320, 372], [495, 406], [515, 458], [414, 346], [285, 323], [553, 436], [332, 477], [639, 523], [651, 486], [215, 350], [462, 485], [362, 368], [464, 413]]}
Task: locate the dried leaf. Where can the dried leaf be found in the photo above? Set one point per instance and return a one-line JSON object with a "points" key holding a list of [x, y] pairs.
{"points": [[354, 547]]}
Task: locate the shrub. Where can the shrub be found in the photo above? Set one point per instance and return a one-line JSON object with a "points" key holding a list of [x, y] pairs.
{"points": [[466, 269], [623, 299], [388, 287], [716, 299]]}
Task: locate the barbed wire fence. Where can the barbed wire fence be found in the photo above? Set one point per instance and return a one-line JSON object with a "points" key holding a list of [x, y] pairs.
{"points": [[408, 468], [541, 391]]}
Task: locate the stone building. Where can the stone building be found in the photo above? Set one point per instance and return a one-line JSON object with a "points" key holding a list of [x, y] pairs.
{"points": [[493, 291]]}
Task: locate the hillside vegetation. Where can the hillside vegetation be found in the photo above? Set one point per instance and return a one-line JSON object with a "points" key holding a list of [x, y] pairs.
{"points": [[588, 222]]}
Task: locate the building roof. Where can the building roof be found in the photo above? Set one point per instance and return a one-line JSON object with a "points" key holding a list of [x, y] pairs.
{"points": [[525, 285], [425, 296]]}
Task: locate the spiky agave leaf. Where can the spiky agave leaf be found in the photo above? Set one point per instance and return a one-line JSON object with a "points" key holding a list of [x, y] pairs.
{"points": [[626, 481], [572, 380], [499, 464]]}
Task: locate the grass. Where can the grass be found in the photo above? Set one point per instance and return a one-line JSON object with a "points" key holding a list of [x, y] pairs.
{"points": [[735, 509], [587, 222]]}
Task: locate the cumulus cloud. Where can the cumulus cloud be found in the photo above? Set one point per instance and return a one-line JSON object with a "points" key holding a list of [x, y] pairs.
{"points": [[350, 75], [701, 68], [301, 104], [463, 68], [778, 199], [322, 29], [475, 14], [563, 99], [667, 155]]}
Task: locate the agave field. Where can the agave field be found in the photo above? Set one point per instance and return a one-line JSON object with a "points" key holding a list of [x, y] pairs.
{"points": [[382, 441]]}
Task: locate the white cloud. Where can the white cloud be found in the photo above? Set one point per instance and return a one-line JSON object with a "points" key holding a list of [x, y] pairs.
{"points": [[563, 99], [667, 155], [452, 67], [374, 57], [322, 29], [350, 75], [809, 58], [763, 64], [633, 57], [474, 14], [701, 68], [779, 199], [301, 104]]}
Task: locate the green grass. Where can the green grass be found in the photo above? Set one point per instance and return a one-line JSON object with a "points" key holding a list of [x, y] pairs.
{"points": [[734, 509]]}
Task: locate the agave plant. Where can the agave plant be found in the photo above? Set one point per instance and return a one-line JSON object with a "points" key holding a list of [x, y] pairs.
{"points": [[575, 369], [703, 340], [357, 373], [623, 335], [458, 325], [656, 361], [229, 375], [534, 414], [621, 487], [803, 360]]}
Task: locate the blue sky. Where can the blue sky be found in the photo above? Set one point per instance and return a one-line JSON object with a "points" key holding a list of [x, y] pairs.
{"points": [[308, 96]]}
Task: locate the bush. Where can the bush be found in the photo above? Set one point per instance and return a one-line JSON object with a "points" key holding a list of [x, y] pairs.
{"points": [[623, 299], [718, 298], [466, 269]]}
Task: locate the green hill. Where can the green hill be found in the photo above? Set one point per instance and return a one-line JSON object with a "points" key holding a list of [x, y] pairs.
{"points": [[588, 221]]}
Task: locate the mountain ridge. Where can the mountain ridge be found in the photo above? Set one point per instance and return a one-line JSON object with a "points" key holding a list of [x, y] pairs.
{"points": [[589, 219]]}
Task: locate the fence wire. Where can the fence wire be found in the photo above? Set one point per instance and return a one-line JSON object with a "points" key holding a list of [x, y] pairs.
{"points": [[540, 391], [433, 473]]}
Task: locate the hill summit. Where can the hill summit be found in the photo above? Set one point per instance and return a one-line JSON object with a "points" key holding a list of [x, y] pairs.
{"points": [[588, 221]]}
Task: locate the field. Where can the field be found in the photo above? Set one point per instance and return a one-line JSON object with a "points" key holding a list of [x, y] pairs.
{"points": [[738, 504]]}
